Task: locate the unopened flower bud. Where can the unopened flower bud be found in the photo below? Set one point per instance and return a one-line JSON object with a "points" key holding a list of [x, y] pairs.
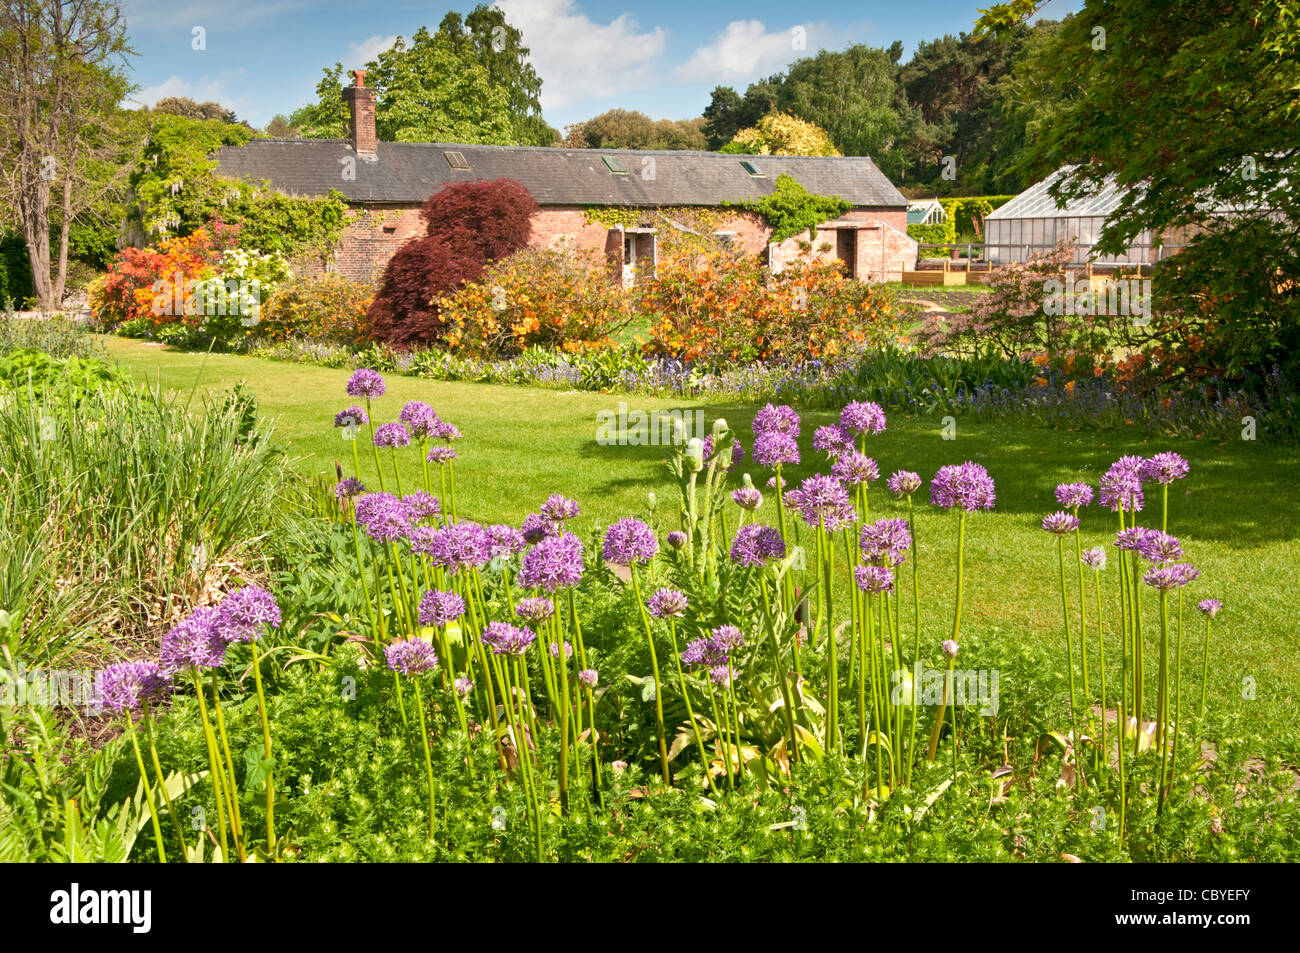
{"points": [[950, 648]]}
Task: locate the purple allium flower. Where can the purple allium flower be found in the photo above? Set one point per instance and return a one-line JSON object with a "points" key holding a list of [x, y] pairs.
{"points": [[754, 544], [447, 432], [1158, 547], [366, 383], [720, 675], [1210, 607], [885, 541], [421, 506], [553, 563], [967, 485], [1073, 495], [704, 652], [589, 677], [464, 685], [192, 643], [904, 483], [853, 469], [1164, 468], [420, 419], [506, 639], [1094, 558], [833, 440], [440, 606], [559, 508], [728, 638], [537, 527], [1121, 485], [666, 602], [352, 417], [629, 541], [349, 487], [243, 615], [774, 481], [124, 686], [776, 419], [862, 417], [555, 650], [441, 454], [535, 609], [676, 539], [748, 497], [949, 648], [411, 657], [1170, 576], [392, 435], [504, 540], [1133, 538], [1060, 523], [383, 516], [874, 578], [459, 546], [774, 448], [824, 501]]}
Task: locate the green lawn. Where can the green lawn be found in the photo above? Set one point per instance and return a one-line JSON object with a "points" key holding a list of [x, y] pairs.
{"points": [[1237, 513]]}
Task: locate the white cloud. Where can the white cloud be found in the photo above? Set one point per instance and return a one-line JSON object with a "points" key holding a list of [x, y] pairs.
{"points": [[578, 59], [359, 54], [746, 50]]}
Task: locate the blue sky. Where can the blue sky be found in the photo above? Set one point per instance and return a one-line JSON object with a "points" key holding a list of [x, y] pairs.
{"points": [[263, 57]]}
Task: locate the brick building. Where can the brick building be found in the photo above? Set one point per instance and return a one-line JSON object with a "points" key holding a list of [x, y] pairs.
{"points": [[386, 182]]}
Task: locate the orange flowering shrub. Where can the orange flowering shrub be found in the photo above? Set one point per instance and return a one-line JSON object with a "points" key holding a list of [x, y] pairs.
{"points": [[139, 278], [723, 308], [327, 309], [535, 298]]}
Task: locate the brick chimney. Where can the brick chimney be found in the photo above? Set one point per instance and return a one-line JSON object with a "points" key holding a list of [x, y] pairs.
{"points": [[361, 105]]}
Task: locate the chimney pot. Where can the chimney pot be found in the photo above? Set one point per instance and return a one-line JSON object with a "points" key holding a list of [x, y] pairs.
{"points": [[361, 116]]}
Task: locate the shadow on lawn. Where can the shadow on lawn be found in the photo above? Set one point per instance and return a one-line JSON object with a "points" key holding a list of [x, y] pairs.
{"points": [[1242, 492]]}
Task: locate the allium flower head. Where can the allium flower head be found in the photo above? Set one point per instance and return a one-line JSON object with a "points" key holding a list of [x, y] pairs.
{"points": [[244, 614], [459, 546], [665, 602], [589, 677], [555, 650], [1210, 607], [421, 506], [553, 563], [559, 508], [440, 606], [720, 675], [537, 527], [967, 485], [352, 417], [1094, 558], [748, 497], [420, 419], [833, 440], [192, 643], [773, 448], [676, 539], [366, 383], [506, 639], [885, 541], [1060, 523], [1170, 576], [447, 431], [411, 657], [1072, 495], [728, 638], [949, 648], [392, 435], [1121, 485], [1133, 538], [874, 578], [348, 488], [383, 516], [535, 609], [464, 685], [861, 417], [504, 540], [853, 469], [776, 419], [1165, 468], [126, 685], [904, 483], [441, 454], [755, 544], [701, 653], [775, 481], [823, 500], [1158, 547], [629, 541]]}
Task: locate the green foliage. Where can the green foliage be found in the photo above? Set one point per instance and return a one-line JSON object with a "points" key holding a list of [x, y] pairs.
{"points": [[941, 233], [629, 129], [792, 209], [15, 270]]}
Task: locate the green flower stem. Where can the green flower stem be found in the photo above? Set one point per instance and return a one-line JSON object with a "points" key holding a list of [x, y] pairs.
{"points": [[1122, 720], [236, 820], [1205, 664], [1178, 697], [825, 553], [451, 489], [787, 595], [952, 663], [1101, 654], [735, 718], [895, 711], [882, 621], [266, 747], [877, 717], [720, 732], [397, 473], [530, 779], [370, 419], [576, 627], [1162, 701], [1083, 613], [162, 784], [956, 630], [562, 689], [148, 790], [1069, 656], [215, 773], [916, 646], [654, 663], [428, 759], [690, 712]]}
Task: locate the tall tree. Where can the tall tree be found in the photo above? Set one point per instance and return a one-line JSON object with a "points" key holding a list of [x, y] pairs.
{"points": [[728, 112], [629, 129], [62, 63], [780, 134]]}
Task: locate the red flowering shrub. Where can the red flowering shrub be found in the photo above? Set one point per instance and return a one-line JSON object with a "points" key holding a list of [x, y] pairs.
{"points": [[132, 285], [470, 224]]}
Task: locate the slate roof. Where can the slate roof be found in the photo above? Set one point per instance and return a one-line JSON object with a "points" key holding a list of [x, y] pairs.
{"points": [[407, 173]]}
